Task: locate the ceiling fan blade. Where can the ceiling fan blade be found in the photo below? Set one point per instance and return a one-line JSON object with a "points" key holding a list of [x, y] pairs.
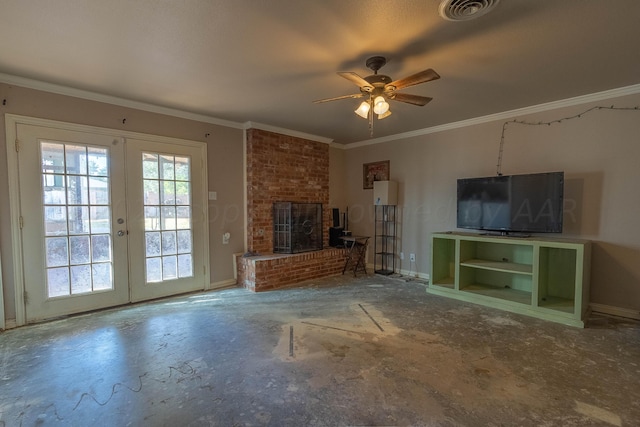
{"points": [[350, 75], [411, 99], [355, 95], [421, 77]]}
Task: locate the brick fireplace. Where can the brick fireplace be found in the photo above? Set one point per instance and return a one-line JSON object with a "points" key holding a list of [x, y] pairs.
{"points": [[282, 168]]}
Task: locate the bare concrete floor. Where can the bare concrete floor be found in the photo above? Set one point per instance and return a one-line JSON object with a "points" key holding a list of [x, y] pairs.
{"points": [[339, 351]]}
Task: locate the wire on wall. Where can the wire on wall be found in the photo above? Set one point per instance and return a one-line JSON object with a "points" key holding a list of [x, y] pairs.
{"points": [[549, 123]]}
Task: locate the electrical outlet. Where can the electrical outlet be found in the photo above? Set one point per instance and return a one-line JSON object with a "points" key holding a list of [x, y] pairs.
{"points": [[401, 255], [412, 257]]}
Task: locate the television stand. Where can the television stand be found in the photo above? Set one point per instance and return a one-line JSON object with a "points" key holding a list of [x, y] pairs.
{"points": [[540, 277]]}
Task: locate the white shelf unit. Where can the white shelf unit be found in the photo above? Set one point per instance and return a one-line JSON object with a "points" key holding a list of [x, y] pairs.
{"points": [[541, 277]]}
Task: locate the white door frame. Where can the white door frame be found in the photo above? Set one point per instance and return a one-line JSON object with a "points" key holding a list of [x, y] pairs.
{"points": [[11, 122]]}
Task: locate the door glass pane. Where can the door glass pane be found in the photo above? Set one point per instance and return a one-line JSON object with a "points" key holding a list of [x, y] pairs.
{"points": [[154, 270], [184, 242], [169, 242], [77, 190], [151, 218], [79, 249], [58, 282], [100, 216], [152, 243], [150, 165], [151, 191], [166, 167], [102, 279], [185, 266], [57, 251], [80, 279], [168, 217], [183, 193], [168, 194], [97, 161], [101, 248], [99, 190], [77, 218], [76, 157], [55, 222], [55, 189], [167, 208], [169, 267], [183, 217], [182, 169]]}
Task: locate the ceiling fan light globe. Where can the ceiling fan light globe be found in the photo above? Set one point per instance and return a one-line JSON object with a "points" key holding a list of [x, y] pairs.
{"points": [[363, 110], [380, 105], [384, 115]]}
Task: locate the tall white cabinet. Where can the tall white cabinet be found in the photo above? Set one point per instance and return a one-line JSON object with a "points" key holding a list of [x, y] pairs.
{"points": [[541, 277]]}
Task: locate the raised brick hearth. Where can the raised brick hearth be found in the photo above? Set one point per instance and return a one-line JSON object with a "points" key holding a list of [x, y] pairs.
{"points": [[266, 272], [283, 168]]}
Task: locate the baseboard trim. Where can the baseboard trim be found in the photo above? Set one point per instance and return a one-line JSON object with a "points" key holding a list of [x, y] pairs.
{"points": [[10, 324], [414, 274], [223, 284], [615, 311], [407, 273]]}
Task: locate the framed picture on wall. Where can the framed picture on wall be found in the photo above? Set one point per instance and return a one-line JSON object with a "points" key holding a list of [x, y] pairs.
{"points": [[376, 171]]}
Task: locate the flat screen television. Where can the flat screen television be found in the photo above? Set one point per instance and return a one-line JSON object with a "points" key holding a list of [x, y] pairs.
{"points": [[530, 203]]}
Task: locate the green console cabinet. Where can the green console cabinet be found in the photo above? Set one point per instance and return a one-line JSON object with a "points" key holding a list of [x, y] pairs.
{"points": [[541, 277]]}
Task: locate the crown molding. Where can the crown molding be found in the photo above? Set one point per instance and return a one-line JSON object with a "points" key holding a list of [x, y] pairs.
{"points": [[122, 102], [569, 102], [113, 100], [288, 132]]}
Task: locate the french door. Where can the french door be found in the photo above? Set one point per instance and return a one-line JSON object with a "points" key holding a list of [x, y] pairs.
{"points": [[106, 220], [167, 218]]}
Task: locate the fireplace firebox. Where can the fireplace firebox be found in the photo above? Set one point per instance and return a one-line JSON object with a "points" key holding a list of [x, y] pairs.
{"points": [[297, 227]]}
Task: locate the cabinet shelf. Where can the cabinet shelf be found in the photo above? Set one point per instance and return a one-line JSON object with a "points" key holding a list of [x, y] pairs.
{"points": [[556, 303], [513, 295], [540, 277], [446, 282], [509, 267]]}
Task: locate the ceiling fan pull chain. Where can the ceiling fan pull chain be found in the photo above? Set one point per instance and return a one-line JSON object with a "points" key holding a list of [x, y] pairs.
{"points": [[370, 116]]}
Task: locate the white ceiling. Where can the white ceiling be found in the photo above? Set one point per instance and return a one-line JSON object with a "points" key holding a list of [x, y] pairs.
{"points": [[266, 61]]}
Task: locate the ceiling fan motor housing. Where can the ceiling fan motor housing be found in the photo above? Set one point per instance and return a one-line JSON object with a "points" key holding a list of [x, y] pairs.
{"points": [[378, 81], [376, 62]]}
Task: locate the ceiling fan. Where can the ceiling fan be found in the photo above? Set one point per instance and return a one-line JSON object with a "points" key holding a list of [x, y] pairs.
{"points": [[378, 88]]}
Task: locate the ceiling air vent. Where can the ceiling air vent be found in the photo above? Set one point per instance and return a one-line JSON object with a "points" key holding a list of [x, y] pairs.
{"points": [[465, 10]]}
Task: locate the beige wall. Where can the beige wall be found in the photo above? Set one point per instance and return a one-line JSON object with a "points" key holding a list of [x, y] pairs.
{"points": [[225, 167], [599, 153]]}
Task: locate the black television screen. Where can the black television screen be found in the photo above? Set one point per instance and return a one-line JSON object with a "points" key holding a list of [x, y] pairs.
{"points": [[530, 203]]}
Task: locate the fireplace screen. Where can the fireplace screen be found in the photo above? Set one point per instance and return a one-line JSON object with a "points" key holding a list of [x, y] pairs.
{"points": [[297, 227]]}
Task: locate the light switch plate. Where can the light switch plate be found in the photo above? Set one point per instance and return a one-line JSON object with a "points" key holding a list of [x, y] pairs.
{"points": [[213, 195]]}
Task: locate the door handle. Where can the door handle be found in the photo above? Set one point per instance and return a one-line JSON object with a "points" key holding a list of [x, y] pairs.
{"points": [[120, 233]]}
